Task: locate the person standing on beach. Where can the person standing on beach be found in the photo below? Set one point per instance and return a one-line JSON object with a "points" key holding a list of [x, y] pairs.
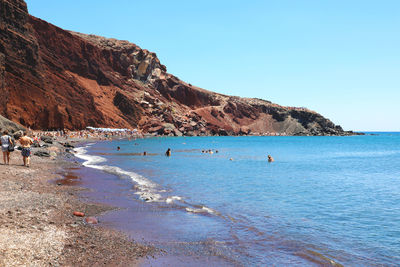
{"points": [[26, 143], [6, 141]]}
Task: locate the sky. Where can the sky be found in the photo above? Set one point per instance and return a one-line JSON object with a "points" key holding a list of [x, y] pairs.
{"points": [[340, 58]]}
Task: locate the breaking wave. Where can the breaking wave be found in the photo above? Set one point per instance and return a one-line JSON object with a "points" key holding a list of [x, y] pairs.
{"points": [[147, 190]]}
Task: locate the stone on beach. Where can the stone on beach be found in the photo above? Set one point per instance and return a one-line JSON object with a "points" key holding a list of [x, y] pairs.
{"points": [[53, 148], [68, 145], [47, 139], [91, 220], [79, 214], [42, 154]]}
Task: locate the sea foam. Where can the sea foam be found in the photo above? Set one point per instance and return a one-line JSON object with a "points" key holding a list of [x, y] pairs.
{"points": [[147, 190]]}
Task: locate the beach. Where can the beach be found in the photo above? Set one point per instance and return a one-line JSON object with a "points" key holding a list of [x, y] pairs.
{"points": [[37, 224], [154, 146], [307, 208]]}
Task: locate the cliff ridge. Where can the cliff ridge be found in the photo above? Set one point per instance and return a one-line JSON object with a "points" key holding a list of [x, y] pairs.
{"points": [[52, 78]]}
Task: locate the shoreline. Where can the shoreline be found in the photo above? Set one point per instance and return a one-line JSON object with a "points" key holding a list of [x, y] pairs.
{"points": [[38, 227], [116, 220], [145, 220], [38, 213]]}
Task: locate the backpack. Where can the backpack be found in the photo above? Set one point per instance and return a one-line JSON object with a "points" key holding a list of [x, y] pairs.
{"points": [[10, 145]]}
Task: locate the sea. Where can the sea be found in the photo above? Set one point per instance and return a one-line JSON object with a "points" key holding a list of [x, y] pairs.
{"points": [[324, 201]]}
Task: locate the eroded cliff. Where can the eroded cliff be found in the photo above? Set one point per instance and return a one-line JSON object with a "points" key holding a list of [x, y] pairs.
{"points": [[51, 78]]}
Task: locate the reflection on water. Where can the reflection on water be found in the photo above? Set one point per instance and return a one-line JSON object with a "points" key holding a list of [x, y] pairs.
{"points": [[69, 177]]}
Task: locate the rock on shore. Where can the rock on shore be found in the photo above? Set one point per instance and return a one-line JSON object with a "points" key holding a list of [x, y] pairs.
{"points": [[6, 124]]}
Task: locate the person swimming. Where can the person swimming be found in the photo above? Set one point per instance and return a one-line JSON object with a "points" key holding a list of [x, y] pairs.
{"points": [[118, 148], [270, 159], [145, 153], [168, 152]]}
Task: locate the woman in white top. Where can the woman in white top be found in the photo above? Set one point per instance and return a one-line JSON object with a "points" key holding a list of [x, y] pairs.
{"points": [[5, 142]]}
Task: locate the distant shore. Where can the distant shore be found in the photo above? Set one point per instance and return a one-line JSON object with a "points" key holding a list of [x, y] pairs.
{"points": [[37, 222]]}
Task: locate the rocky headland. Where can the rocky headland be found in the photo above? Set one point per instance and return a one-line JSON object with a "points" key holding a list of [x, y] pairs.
{"points": [[51, 78]]}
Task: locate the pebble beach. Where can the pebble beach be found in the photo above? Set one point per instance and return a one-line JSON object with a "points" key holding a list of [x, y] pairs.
{"points": [[37, 222]]}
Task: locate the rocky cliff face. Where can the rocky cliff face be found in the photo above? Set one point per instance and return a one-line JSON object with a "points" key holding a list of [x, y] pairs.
{"points": [[51, 78], [10, 126]]}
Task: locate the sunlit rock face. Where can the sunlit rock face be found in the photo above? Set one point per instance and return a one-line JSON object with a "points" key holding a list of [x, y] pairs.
{"points": [[51, 78]]}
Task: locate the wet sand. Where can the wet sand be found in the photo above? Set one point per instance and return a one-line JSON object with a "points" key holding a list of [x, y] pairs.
{"points": [[37, 225]]}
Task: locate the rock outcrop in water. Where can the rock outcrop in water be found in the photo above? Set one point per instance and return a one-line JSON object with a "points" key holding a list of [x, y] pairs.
{"points": [[51, 78]]}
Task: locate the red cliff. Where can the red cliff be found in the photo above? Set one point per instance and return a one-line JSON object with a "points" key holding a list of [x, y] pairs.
{"points": [[51, 78]]}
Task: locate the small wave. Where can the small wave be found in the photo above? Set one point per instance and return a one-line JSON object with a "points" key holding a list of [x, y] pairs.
{"points": [[318, 258], [90, 160], [147, 190], [172, 199], [149, 196], [201, 210]]}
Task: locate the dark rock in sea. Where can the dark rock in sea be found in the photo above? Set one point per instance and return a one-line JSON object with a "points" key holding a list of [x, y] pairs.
{"points": [[68, 145], [222, 132]]}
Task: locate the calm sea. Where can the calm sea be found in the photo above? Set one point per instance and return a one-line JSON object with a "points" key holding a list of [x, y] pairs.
{"points": [[324, 201]]}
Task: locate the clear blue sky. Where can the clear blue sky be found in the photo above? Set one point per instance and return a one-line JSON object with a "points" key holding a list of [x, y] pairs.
{"points": [[340, 58]]}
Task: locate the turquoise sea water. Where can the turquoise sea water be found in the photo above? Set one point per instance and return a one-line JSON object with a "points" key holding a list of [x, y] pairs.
{"points": [[324, 200]]}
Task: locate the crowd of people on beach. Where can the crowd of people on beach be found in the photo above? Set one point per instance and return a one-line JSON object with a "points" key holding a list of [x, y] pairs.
{"points": [[25, 141], [93, 133], [8, 143]]}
